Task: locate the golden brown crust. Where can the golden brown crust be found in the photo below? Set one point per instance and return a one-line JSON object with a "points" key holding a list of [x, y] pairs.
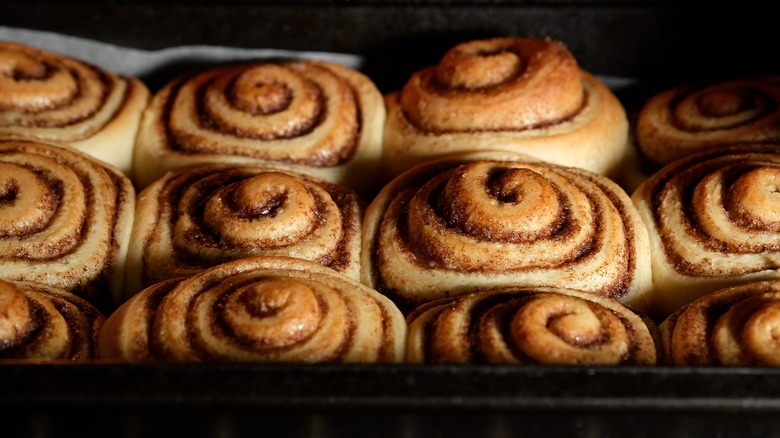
{"points": [[39, 322], [735, 326], [511, 94], [312, 117], [694, 117], [50, 97], [482, 85], [713, 222], [529, 326], [260, 309], [66, 220], [473, 221], [208, 215]]}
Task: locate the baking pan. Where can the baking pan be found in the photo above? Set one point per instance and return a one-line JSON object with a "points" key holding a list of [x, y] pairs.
{"points": [[387, 400], [657, 43]]}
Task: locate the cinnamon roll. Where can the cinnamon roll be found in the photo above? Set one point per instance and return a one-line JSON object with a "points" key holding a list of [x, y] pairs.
{"points": [[734, 326], [476, 221], [39, 322], [314, 117], [510, 94], [529, 326], [65, 220], [713, 220], [260, 309], [50, 97], [212, 214], [694, 117]]}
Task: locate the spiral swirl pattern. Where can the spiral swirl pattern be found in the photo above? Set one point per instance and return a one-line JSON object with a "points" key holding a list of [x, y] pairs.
{"points": [[529, 326], [695, 117], [734, 326], [39, 322], [313, 117], [512, 94], [65, 220], [714, 221], [262, 309], [50, 97], [482, 220], [212, 214]]}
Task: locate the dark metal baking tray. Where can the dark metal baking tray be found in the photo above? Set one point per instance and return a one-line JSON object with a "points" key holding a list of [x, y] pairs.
{"points": [[233, 400]]}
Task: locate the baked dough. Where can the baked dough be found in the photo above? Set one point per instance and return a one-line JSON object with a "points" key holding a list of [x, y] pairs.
{"points": [[208, 215], [54, 98], [551, 326], [39, 322], [65, 220], [319, 118], [713, 220], [521, 95], [734, 326], [482, 220], [695, 117], [260, 309]]}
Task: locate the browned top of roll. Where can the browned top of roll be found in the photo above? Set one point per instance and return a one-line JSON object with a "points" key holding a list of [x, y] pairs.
{"points": [[63, 219], [717, 213], [477, 220], [261, 309], [480, 85], [212, 214], [302, 112], [52, 97], [529, 326], [39, 322], [693, 117], [734, 326]]}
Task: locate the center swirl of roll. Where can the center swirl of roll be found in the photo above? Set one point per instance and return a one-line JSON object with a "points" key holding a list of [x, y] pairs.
{"points": [[490, 217], [27, 202], [502, 84], [478, 65], [259, 91], [720, 211], [528, 326], [259, 309], [300, 112], [762, 333], [500, 204], [269, 209], [42, 203], [724, 103], [213, 214], [265, 101], [31, 84], [754, 198], [749, 332], [561, 329], [722, 106], [273, 313]]}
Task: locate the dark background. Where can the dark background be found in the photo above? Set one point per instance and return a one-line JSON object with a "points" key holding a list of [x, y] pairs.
{"points": [[663, 41]]}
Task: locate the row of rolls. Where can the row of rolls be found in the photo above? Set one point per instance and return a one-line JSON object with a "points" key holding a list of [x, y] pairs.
{"points": [[499, 208]]}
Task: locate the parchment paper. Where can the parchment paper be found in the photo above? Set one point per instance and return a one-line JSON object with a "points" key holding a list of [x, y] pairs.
{"points": [[155, 67]]}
